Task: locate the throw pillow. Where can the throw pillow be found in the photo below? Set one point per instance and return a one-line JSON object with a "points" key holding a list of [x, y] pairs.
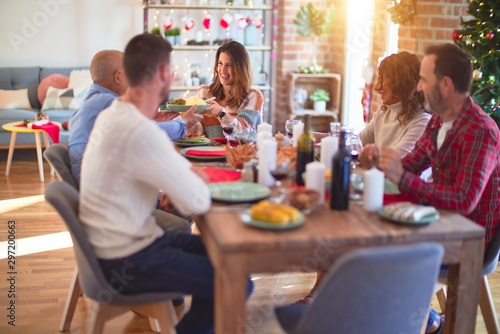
{"points": [[79, 78], [67, 98], [54, 80], [14, 99]]}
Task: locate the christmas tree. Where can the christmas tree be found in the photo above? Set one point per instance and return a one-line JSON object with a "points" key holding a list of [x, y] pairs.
{"points": [[480, 36]]}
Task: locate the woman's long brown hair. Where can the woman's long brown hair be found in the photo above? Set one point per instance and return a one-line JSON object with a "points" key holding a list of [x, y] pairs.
{"points": [[402, 70], [241, 73]]}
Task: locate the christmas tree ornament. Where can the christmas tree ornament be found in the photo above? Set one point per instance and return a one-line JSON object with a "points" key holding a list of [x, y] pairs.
{"points": [[258, 22], [402, 11], [456, 35], [490, 35], [168, 22], [241, 21], [477, 74], [188, 22], [207, 20], [226, 20]]}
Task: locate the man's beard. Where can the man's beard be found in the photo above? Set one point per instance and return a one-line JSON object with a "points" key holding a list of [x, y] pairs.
{"points": [[434, 102]]}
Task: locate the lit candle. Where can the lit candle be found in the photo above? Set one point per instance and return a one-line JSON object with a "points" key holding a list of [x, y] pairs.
{"points": [[315, 178], [329, 146], [298, 129], [373, 190], [265, 127], [267, 161]]}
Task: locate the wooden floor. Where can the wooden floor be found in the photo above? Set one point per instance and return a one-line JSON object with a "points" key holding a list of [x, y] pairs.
{"points": [[43, 275]]}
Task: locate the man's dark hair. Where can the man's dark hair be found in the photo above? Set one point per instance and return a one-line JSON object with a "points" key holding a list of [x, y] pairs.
{"points": [[453, 62], [144, 54]]}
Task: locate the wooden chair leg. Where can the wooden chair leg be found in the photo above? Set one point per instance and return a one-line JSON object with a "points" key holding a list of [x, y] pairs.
{"points": [[71, 301], [488, 307], [100, 313], [162, 316], [441, 297]]}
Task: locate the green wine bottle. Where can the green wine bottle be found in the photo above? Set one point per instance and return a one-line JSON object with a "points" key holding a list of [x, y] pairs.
{"points": [[305, 150]]}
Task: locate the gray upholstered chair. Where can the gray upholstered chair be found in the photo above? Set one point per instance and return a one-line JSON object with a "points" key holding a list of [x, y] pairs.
{"points": [[58, 157], [374, 290], [486, 303], [107, 302]]}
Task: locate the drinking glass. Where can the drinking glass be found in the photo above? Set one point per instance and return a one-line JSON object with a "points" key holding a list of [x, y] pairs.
{"points": [[280, 173], [289, 124], [354, 148], [227, 127], [300, 98]]}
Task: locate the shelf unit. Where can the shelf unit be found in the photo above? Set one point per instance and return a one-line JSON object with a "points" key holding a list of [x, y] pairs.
{"points": [[260, 55]]}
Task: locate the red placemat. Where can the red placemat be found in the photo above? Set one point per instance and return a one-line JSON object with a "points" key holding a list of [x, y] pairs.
{"points": [[224, 141], [221, 174], [389, 199], [200, 153]]}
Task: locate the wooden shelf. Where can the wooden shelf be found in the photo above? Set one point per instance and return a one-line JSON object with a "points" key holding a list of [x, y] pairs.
{"points": [[213, 7], [215, 47]]}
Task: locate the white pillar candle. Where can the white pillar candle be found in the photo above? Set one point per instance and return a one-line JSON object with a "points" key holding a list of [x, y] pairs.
{"points": [[373, 191], [315, 178], [265, 127], [298, 129], [329, 146], [267, 161], [262, 136]]}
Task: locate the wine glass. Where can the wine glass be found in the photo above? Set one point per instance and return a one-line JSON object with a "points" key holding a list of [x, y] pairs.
{"points": [[354, 149], [227, 127], [280, 173], [300, 98], [289, 124]]}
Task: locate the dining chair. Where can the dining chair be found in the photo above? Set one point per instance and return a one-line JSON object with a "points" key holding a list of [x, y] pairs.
{"points": [[58, 157], [107, 301], [358, 293], [486, 303]]}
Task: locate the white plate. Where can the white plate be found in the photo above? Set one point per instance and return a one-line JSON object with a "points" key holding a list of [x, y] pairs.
{"points": [[424, 221]]}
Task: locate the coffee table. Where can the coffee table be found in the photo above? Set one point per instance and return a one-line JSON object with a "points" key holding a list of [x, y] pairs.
{"points": [[14, 129]]}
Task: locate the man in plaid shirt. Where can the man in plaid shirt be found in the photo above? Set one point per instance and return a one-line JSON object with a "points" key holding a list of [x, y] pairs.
{"points": [[461, 143]]}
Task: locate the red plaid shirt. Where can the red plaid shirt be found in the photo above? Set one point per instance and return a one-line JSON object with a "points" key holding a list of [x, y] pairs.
{"points": [[466, 169]]}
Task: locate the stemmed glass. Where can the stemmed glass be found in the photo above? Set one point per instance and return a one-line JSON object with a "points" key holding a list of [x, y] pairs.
{"points": [[280, 173], [300, 98], [227, 127], [355, 148], [289, 124]]}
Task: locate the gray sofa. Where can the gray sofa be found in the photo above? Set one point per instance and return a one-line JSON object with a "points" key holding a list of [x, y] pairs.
{"points": [[29, 77]]}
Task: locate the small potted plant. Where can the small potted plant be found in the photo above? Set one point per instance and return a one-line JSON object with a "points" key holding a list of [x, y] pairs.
{"points": [[320, 97], [156, 31], [173, 35]]}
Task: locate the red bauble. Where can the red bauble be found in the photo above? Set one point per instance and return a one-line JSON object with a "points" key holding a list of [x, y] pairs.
{"points": [[456, 35], [65, 125], [490, 35]]}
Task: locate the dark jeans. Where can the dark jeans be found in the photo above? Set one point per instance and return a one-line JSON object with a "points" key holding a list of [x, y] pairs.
{"points": [[175, 262]]}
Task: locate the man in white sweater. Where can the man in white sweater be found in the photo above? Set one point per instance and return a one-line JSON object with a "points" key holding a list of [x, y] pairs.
{"points": [[127, 160]]}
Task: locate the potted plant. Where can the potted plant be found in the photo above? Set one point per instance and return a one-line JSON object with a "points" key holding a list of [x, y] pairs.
{"points": [[320, 97], [311, 21], [156, 31], [173, 35]]}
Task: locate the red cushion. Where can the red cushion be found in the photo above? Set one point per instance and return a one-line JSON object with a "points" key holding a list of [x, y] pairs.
{"points": [[54, 80]]}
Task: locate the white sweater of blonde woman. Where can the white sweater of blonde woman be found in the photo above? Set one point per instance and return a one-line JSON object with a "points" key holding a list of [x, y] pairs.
{"points": [[127, 160], [385, 130]]}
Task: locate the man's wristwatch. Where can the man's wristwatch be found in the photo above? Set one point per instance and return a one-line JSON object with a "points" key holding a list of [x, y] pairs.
{"points": [[222, 113]]}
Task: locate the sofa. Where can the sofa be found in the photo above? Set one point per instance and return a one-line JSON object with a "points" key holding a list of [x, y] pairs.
{"points": [[16, 78]]}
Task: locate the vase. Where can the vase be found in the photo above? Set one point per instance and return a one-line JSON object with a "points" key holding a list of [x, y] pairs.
{"points": [[250, 35], [320, 106]]}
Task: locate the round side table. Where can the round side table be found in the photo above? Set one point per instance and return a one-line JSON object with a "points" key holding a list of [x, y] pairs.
{"points": [[14, 129]]}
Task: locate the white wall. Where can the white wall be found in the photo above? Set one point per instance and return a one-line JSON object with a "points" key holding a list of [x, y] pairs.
{"points": [[64, 32]]}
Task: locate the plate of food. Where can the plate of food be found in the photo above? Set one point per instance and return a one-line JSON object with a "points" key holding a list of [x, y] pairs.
{"points": [[409, 214], [272, 216], [183, 105], [204, 152], [193, 141], [238, 192]]}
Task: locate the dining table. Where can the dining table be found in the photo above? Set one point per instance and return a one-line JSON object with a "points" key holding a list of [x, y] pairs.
{"points": [[238, 250]]}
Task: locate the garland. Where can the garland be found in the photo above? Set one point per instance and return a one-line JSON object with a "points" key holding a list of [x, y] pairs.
{"points": [[402, 11]]}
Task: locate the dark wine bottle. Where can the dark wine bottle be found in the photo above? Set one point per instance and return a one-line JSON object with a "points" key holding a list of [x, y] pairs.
{"points": [[305, 150], [341, 170]]}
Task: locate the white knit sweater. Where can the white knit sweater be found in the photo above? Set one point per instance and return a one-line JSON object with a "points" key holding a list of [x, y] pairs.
{"points": [[385, 130], [127, 160]]}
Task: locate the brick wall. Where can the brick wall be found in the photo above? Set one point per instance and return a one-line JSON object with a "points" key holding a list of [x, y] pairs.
{"points": [[434, 22]]}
